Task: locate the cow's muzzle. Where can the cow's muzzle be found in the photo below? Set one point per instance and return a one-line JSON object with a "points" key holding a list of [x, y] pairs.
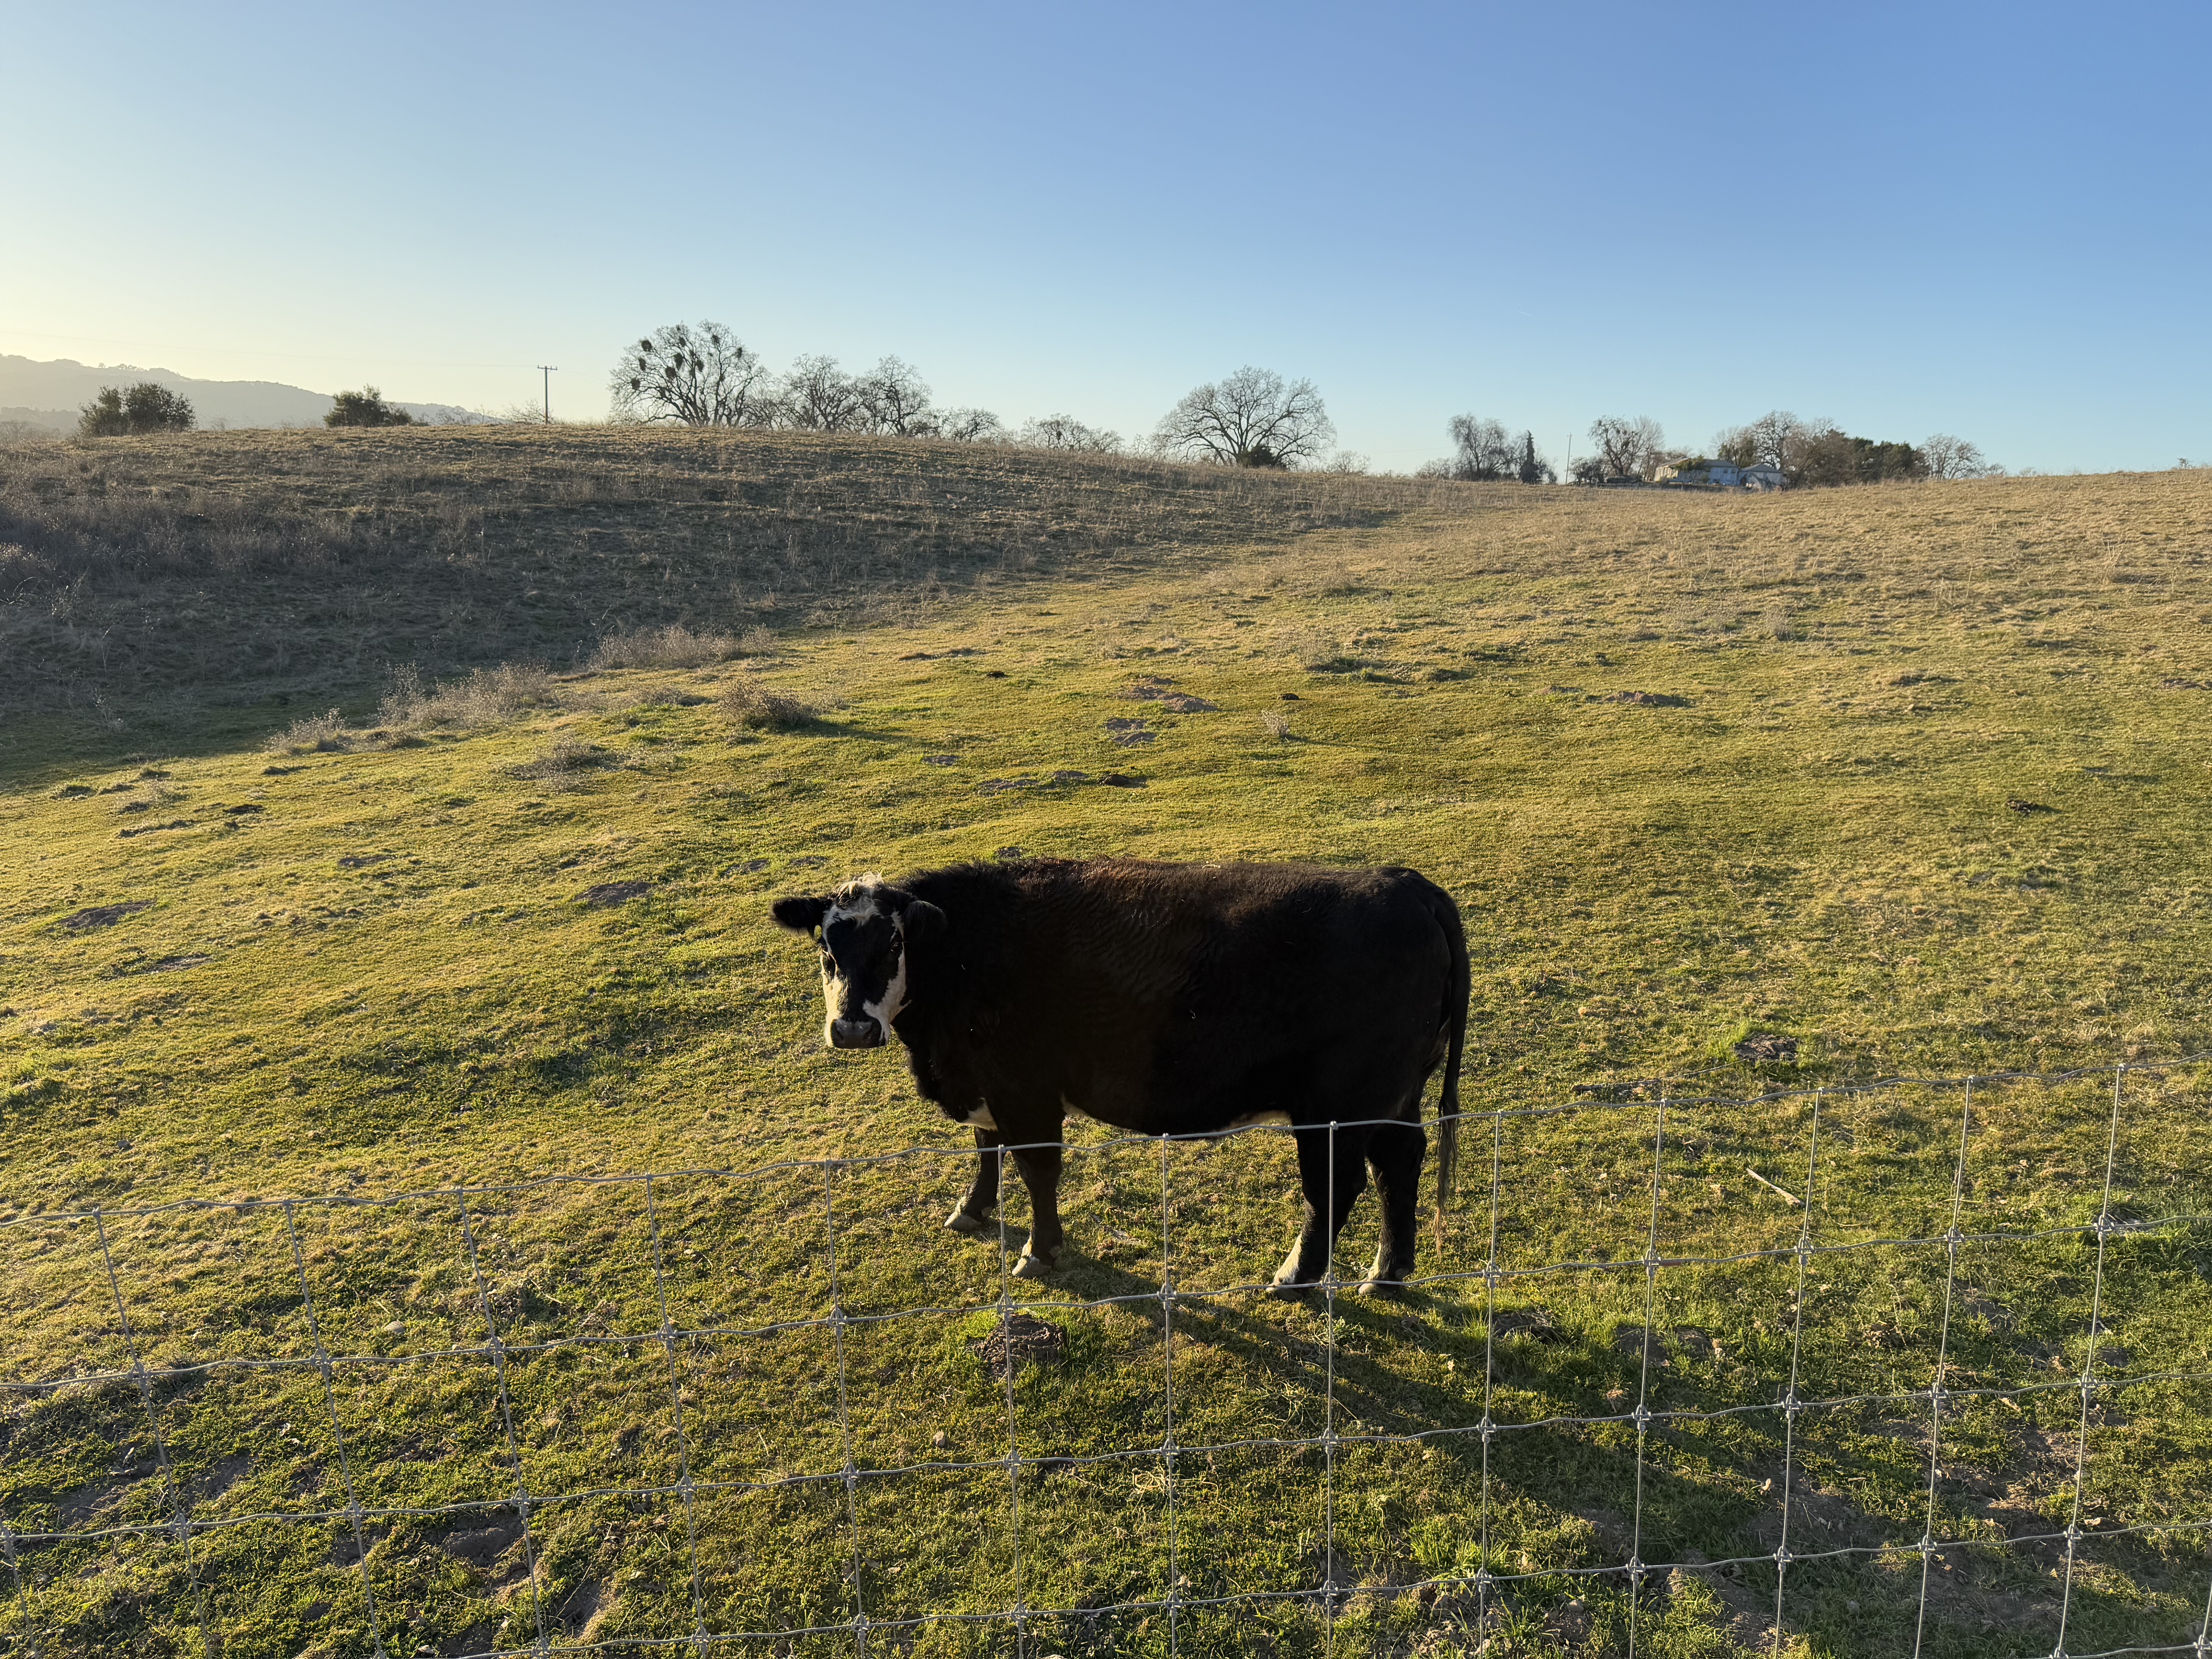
{"points": [[855, 1034]]}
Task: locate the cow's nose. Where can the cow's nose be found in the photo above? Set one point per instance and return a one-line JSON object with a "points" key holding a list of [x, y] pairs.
{"points": [[855, 1034]]}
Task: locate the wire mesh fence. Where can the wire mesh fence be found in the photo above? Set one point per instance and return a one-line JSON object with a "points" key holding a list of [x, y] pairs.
{"points": [[1918, 1366]]}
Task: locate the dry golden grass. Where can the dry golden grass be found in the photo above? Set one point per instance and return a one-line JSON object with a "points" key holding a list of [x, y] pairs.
{"points": [[151, 584]]}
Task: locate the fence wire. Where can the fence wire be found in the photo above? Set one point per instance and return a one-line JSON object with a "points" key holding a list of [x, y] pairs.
{"points": [[188, 1524]]}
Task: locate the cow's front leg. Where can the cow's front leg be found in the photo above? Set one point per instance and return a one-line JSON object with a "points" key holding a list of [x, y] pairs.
{"points": [[973, 1212], [1040, 1167], [1333, 1177]]}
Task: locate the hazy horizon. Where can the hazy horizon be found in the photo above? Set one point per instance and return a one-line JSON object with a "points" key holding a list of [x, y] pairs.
{"points": [[1972, 219]]}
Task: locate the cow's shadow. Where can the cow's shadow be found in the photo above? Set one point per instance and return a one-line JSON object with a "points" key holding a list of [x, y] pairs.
{"points": [[1590, 1469]]}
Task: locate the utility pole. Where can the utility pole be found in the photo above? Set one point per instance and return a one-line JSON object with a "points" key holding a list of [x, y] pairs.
{"points": [[547, 372]]}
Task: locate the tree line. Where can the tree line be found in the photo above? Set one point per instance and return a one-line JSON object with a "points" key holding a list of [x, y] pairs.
{"points": [[1804, 455], [1819, 453], [702, 374]]}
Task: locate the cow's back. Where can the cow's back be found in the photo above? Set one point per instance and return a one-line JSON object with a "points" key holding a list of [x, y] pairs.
{"points": [[1184, 998]]}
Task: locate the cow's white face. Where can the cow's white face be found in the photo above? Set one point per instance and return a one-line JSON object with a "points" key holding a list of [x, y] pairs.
{"points": [[863, 929]]}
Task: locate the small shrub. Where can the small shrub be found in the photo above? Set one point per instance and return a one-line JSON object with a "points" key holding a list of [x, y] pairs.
{"points": [[145, 407], [1277, 724], [486, 696], [672, 647], [406, 698], [311, 732], [754, 706], [366, 407]]}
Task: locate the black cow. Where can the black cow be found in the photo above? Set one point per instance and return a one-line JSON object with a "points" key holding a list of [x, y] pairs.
{"points": [[1164, 999]]}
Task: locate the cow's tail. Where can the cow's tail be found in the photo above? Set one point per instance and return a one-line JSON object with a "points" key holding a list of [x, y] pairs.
{"points": [[1458, 987]]}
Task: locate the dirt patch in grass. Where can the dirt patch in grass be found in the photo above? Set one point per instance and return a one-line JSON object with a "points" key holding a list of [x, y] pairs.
{"points": [[103, 915]]}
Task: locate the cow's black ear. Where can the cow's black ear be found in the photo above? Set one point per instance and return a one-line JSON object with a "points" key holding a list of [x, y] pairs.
{"points": [[922, 919], [801, 915]]}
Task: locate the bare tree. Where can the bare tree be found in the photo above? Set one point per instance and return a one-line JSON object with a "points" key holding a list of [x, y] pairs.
{"points": [[893, 400], [1946, 456], [1252, 418], [1628, 448], [1483, 450], [967, 426], [701, 375], [1065, 432], [817, 396], [1777, 438]]}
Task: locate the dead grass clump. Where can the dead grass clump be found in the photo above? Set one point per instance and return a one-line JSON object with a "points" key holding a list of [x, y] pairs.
{"points": [[1277, 723], [486, 697], [678, 647], [1322, 654], [756, 708], [562, 767], [325, 732]]}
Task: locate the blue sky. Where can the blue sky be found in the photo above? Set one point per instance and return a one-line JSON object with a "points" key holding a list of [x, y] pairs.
{"points": [[1986, 220]]}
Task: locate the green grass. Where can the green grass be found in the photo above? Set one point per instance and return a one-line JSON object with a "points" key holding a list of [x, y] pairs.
{"points": [[387, 980]]}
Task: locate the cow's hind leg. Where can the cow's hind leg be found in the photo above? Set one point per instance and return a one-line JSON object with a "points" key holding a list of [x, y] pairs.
{"points": [[974, 1212], [1395, 1154], [1333, 1177], [1040, 1167]]}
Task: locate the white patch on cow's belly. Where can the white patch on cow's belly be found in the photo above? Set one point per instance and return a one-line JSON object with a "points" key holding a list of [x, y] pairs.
{"points": [[980, 1118]]}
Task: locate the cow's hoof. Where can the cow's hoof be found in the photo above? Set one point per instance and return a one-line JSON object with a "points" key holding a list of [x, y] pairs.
{"points": [[962, 1220], [1291, 1288], [1032, 1266], [1394, 1289]]}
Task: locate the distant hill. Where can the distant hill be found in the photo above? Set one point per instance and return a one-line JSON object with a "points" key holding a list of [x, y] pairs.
{"points": [[48, 396]]}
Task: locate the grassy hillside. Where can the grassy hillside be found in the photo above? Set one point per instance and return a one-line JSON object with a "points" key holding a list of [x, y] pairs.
{"points": [[174, 593], [1695, 767]]}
